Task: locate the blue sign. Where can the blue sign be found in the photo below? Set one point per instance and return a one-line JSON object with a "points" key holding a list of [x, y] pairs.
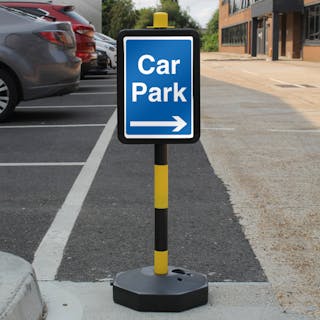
{"points": [[158, 87]]}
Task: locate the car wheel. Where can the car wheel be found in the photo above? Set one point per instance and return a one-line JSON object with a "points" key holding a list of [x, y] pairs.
{"points": [[82, 75], [8, 95]]}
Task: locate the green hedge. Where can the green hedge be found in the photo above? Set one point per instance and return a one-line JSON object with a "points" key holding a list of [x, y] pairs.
{"points": [[210, 42]]}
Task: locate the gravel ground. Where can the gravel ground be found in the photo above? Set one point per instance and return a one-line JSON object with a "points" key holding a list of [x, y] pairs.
{"points": [[261, 131]]}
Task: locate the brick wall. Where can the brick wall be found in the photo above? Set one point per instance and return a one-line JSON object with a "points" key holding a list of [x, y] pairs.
{"points": [[294, 33], [226, 20], [311, 53], [233, 49], [308, 2]]}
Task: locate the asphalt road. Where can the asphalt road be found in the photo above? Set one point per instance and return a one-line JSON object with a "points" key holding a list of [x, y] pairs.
{"points": [[49, 143]]}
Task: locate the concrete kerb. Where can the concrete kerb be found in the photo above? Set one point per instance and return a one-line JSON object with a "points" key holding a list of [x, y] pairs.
{"points": [[225, 56], [20, 297], [228, 56], [227, 301]]}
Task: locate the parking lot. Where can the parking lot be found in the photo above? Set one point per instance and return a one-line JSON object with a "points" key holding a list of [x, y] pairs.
{"points": [[79, 205], [43, 150]]}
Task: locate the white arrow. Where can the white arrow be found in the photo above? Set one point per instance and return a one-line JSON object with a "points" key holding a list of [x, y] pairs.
{"points": [[179, 124]]}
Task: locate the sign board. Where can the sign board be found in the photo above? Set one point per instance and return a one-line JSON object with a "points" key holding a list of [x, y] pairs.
{"points": [[158, 86]]}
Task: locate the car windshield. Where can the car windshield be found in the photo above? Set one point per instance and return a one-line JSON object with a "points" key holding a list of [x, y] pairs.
{"points": [[76, 16], [19, 12], [103, 37]]}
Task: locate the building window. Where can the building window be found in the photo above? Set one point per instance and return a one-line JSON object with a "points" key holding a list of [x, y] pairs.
{"points": [[235, 36], [312, 14], [237, 5]]}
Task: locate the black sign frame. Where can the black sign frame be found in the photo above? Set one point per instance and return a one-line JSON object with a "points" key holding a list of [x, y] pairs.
{"points": [[196, 84]]}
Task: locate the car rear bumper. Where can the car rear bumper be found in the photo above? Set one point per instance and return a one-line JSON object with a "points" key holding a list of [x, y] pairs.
{"points": [[51, 90], [86, 66], [98, 71], [87, 57], [53, 79]]}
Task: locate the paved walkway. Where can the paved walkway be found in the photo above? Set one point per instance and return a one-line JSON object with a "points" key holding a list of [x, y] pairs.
{"points": [[261, 131]]}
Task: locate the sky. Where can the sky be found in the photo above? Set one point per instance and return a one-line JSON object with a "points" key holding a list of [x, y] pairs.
{"points": [[201, 11]]}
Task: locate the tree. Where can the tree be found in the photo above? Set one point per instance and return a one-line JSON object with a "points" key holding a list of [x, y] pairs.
{"points": [[106, 19], [210, 42], [213, 24], [144, 18], [177, 17], [117, 15], [120, 14], [210, 39]]}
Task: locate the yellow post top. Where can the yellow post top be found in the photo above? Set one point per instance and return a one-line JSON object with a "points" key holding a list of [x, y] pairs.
{"points": [[160, 20]]}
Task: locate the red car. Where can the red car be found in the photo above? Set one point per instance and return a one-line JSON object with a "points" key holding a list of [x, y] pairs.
{"points": [[84, 31]]}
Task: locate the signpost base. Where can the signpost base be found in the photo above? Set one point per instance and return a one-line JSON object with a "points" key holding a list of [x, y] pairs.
{"points": [[142, 290]]}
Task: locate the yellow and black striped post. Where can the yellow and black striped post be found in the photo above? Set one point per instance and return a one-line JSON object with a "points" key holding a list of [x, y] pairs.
{"points": [[161, 186]]}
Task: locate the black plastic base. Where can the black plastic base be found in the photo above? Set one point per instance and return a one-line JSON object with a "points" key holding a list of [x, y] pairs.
{"points": [[142, 290]]}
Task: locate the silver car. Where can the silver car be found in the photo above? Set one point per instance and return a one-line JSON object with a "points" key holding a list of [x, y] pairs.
{"points": [[104, 43], [37, 59]]}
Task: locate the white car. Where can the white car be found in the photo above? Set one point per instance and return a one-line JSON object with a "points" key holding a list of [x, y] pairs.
{"points": [[110, 49], [103, 37]]}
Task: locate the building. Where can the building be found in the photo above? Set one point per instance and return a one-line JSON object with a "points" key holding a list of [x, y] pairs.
{"points": [[289, 28]]}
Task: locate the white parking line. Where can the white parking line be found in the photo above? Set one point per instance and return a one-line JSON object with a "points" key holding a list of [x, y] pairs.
{"points": [[269, 130], [250, 72], [54, 126], [49, 254], [40, 164], [86, 93], [99, 77], [92, 81], [295, 130], [219, 129], [287, 83], [98, 86], [64, 107]]}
